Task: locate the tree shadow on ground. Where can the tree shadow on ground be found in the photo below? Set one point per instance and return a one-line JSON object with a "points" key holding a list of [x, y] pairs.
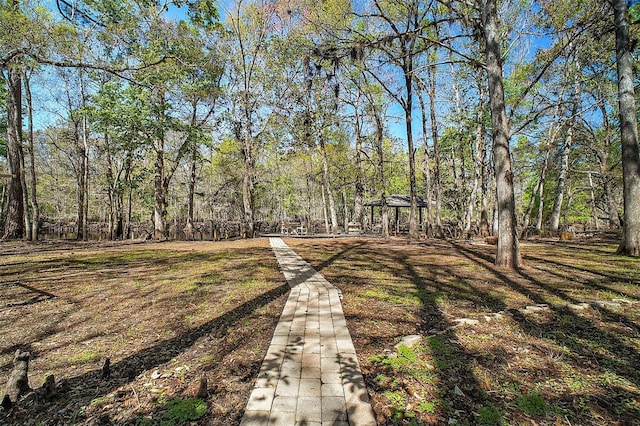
{"points": [[603, 347], [458, 385], [92, 385], [584, 363]]}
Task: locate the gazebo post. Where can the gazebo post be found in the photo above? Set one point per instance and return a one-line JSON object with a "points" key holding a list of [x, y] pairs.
{"points": [[371, 218], [397, 220]]}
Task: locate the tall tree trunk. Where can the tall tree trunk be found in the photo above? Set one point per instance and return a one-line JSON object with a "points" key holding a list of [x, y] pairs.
{"points": [[310, 191], [160, 231], [382, 182], [630, 244], [594, 207], [527, 215], [3, 203], [552, 134], [248, 187], [192, 175], [35, 208], [562, 179], [408, 110], [612, 205], [159, 206], [25, 199], [345, 209], [127, 180], [457, 147], [485, 178], [478, 159], [111, 193], [84, 207], [325, 216], [508, 251], [191, 191], [14, 220], [426, 171], [566, 150], [437, 186], [326, 179], [605, 171], [543, 177], [570, 194], [358, 198]]}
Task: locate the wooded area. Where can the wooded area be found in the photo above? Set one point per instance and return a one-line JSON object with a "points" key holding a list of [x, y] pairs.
{"points": [[510, 118]]}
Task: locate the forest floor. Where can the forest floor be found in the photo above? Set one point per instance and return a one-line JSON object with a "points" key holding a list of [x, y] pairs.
{"points": [[556, 343]]}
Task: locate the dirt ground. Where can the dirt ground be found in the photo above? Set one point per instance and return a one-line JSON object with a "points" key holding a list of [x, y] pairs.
{"points": [[556, 343], [165, 315]]}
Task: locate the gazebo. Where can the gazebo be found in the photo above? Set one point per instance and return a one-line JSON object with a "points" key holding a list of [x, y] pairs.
{"points": [[398, 201]]}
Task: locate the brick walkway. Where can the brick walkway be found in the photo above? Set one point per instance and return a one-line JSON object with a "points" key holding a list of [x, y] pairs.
{"points": [[310, 375]]}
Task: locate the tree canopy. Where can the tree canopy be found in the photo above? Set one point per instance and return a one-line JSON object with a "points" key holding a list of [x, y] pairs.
{"points": [[268, 113]]}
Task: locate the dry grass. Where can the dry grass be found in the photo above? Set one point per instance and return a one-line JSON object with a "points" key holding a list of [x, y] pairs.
{"points": [[164, 314], [558, 365]]}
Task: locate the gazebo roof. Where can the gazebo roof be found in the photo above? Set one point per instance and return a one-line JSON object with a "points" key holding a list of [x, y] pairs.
{"points": [[398, 201]]}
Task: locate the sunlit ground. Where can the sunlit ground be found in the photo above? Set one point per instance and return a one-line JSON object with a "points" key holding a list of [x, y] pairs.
{"points": [[165, 314], [557, 343]]}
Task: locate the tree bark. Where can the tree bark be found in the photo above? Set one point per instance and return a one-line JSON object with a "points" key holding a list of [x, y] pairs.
{"points": [[508, 251], [83, 189], [191, 192], [35, 208], [426, 171], [413, 214], [248, 187], [325, 216], [382, 182], [527, 215], [594, 207], [562, 179], [14, 220], [18, 382], [159, 206], [326, 178], [358, 198], [478, 155], [345, 209], [603, 158], [543, 177], [566, 150], [630, 244], [25, 198], [437, 185], [160, 231]]}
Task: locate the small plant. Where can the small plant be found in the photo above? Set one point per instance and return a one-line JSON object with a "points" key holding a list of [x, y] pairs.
{"points": [[144, 422], [408, 362], [427, 407], [180, 411], [398, 404], [532, 404], [440, 350], [490, 416], [100, 401], [83, 357]]}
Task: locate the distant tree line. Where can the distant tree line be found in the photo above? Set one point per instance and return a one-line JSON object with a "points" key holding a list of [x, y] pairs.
{"points": [[508, 117]]}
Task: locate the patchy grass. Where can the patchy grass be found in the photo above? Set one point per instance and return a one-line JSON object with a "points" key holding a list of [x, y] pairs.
{"points": [[564, 364], [165, 314], [181, 411]]}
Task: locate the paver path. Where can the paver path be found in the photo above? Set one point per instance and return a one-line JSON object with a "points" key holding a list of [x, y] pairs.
{"points": [[310, 375]]}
